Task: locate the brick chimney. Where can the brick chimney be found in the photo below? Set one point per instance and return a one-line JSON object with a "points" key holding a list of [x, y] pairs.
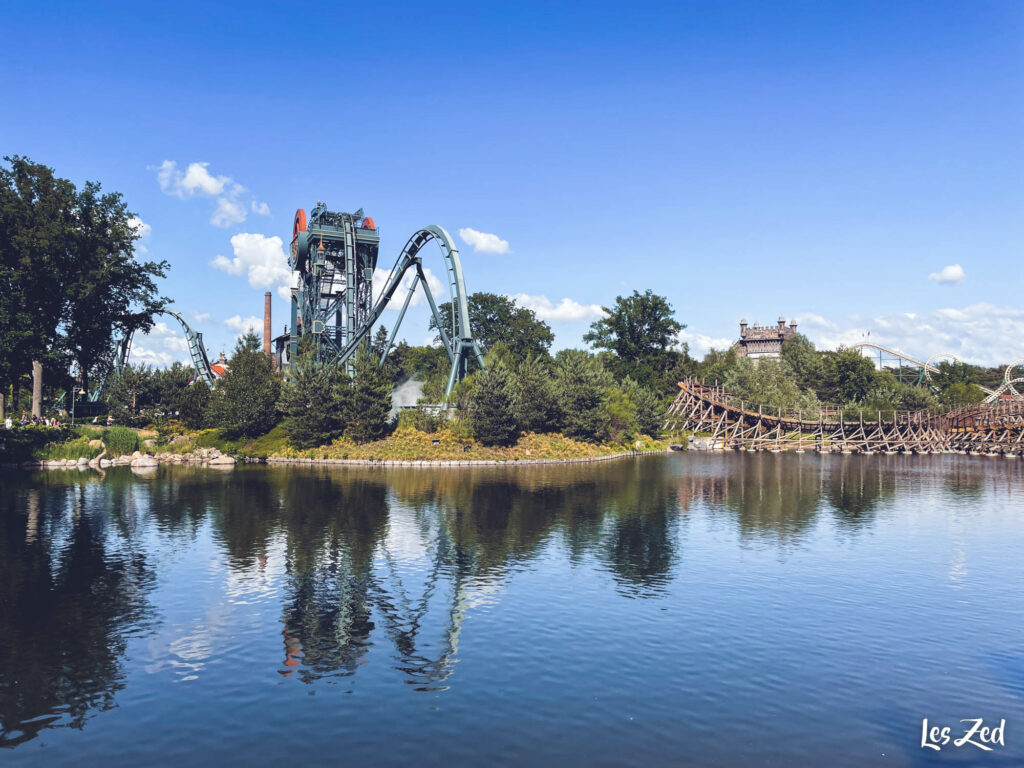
{"points": [[266, 323]]}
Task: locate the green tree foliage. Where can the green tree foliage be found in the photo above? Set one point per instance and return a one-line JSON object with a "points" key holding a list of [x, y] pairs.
{"points": [[805, 362], [769, 383], [370, 399], [495, 318], [318, 401], [69, 280], [491, 406], [847, 377], [642, 332], [194, 405], [960, 393], [650, 409], [716, 364], [533, 396], [131, 393], [245, 398], [889, 395], [580, 386]]}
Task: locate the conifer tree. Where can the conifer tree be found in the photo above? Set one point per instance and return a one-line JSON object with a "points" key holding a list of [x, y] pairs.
{"points": [[491, 406], [533, 396], [245, 398], [370, 404]]}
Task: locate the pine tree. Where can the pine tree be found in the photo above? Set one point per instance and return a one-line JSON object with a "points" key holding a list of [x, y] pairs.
{"points": [[316, 402], [370, 405], [533, 396], [245, 398], [491, 407], [580, 386]]}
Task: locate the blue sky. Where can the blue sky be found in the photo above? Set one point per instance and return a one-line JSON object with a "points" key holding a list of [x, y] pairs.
{"points": [[820, 160]]}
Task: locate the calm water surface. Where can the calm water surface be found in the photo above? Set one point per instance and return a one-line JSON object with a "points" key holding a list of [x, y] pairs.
{"points": [[688, 610]]}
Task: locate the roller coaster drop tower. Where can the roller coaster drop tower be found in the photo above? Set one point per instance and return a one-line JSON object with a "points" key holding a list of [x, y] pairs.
{"points": [[335, 255]]}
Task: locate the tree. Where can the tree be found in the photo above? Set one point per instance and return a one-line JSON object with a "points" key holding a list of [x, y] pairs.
{"points": [[109, 292], [367, 417], [580, 386], [69, 280], [804, 361], [650, 412], [36, 221], [770, 383], [132, 391], [318, 401], [642, 332], [847, 376], [194, 404], [245, 398], [496, 318], [533, 396], [491, 408], [960, 393]]}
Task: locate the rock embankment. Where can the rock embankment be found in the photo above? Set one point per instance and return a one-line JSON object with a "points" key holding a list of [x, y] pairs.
{"points": [[210, 457]]}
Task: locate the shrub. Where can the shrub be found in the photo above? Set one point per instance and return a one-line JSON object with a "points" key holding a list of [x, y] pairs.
{"points": [[121, 441]]}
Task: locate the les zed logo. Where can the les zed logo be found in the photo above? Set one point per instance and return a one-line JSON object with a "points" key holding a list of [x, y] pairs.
{"points": [[975, 734]]}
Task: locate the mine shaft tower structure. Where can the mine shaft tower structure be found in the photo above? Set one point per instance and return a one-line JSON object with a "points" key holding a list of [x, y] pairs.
{"points": [[335, 255]]}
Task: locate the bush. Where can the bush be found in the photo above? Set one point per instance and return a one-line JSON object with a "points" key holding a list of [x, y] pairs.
{"points": [[120, 441], [72, 449]]}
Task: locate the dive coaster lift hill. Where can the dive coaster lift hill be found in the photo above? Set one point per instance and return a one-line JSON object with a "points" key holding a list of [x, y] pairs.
{"points": [[335, 255]]}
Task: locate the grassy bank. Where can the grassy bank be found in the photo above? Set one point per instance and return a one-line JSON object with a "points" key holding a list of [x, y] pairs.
{"points": [[409, 444], [405, 444]]}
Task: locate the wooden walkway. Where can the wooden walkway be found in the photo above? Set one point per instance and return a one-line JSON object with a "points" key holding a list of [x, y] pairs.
{"points": [[729, 423]]}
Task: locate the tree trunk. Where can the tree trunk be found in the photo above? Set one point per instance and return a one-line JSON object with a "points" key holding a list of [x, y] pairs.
{"points": [[37, 388], [2, 414]]}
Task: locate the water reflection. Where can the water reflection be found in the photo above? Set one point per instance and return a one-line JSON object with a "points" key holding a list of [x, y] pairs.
{"points": [[370, 559], [73, 585]]}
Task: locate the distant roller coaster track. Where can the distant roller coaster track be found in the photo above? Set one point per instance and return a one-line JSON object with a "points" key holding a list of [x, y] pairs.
{"points": [[929, 369]]}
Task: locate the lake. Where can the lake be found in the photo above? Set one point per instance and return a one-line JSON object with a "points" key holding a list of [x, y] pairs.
{"points": [[740, 609]]}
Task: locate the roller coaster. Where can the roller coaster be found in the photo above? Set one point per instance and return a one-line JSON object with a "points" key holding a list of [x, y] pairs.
{"points": [[1013, 375], [712, 414], [335, 256]]}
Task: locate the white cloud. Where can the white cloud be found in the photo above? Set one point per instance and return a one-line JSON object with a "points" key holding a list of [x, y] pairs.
{"points": [[201, 317], [261, 259], [142, 231], [196, 180], [243, 325], [193, 180], [483, 242], [437, 288], [567, 310], [700, 343], [948, 275], [228, 212], [980, 333], [164, 344]]}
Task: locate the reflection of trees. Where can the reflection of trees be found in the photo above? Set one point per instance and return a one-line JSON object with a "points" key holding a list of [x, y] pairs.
{"points": [[401, 554], [856, 488], [779, 497], [68, 596]]}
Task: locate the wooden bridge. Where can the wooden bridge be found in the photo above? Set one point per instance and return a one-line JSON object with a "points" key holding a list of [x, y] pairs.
{"points": [[726, 422]]}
